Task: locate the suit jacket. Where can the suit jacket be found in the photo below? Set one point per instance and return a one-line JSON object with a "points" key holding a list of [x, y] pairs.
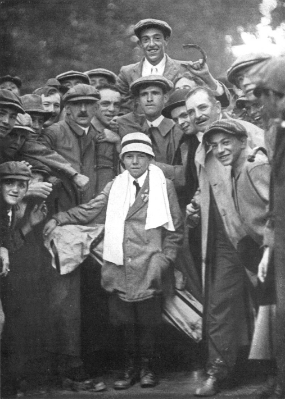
{"points": [[148, 254], [174, 69]]}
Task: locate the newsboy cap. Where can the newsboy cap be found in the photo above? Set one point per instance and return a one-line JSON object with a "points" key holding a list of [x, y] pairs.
{"points": [[177, 99], [72, 75], [24, 122], [152, 23], [138, 142], [151, 80], [244, 61], [81, 92], [8, 78], [273, 76], [229, 126], [15, 170], [32, 103], [10, 99], [109, 75]]}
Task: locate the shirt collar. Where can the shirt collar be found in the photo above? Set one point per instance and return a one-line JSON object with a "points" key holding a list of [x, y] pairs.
{"points": [[141, 179], [147, 67], [156, 122]]}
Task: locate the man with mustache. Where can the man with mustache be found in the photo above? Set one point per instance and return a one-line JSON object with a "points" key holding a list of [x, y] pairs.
{"points": [[75, 139], [153, 36]]}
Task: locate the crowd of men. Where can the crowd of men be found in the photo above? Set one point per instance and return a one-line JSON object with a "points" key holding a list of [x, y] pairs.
{"points": [[186, 174]]}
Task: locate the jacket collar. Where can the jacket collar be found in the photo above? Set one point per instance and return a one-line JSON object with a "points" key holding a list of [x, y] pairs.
{"points": [[170, 71], [77, 129], [164, 127]]}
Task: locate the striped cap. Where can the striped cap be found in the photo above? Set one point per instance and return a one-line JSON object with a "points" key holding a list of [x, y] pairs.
{"points": [[138, 142]]}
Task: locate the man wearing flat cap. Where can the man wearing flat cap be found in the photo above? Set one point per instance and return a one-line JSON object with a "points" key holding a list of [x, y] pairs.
{"points": [[151, 92], [75, 139], [243, 74], [153, 36], [32, 104], [101, 76], [10, 107], [72, 78], [271, 91], [12, 83]]}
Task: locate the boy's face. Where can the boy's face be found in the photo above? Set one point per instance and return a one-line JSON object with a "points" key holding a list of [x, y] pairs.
{"points": [[13, 190], [227, 148], [136, 163]]}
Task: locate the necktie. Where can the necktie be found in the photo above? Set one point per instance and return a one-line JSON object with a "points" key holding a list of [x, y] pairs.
{"points": [[137, 186], [154, 71]]}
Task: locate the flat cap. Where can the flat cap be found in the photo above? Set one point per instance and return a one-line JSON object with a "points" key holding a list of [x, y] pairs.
{"points": [[8, 78], [138, 142], [273, 76], [155, 80], [72, 75], [15, 170], [152, 23], [229, 126], [177, 99], [244, 61], [10, 99], [24, 122], [32, 103], [81, 92], [110, 76]]}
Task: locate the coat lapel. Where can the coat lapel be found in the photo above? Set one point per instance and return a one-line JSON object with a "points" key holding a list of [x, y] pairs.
{"points": [[137, 70], [171, 69]]}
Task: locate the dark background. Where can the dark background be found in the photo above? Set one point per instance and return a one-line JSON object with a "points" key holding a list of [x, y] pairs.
{"points": [[42, 38]]}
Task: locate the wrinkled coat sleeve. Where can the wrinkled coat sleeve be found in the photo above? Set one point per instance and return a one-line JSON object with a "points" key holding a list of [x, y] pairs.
{"points": [[87, 213], [173, 239], [43, 153]]}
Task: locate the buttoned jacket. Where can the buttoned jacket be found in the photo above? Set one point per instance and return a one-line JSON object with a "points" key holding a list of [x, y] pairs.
{"points": [[148, 254]]}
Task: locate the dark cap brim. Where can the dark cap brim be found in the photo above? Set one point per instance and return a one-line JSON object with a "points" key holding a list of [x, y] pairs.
{"points": [[81, 98], [13, 105], [166, 112]]}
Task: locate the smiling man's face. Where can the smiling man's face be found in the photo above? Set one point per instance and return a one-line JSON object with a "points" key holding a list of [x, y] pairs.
{"points": [[202, 111], [153, 43], [8, 117]]}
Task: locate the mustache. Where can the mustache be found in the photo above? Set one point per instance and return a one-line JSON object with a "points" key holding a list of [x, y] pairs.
{"points": [[83, 114]]}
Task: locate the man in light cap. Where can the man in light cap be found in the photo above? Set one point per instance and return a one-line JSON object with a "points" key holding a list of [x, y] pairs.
{"points": [[271, 90], [101, 76], [143, 231], [51, 100], [241, 74], [70, 79], [12, 83], [153, 36]]}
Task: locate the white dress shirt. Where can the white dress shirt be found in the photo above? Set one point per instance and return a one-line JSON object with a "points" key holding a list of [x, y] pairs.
{"points": [[156, 122], [141, 181], [149, 69]]}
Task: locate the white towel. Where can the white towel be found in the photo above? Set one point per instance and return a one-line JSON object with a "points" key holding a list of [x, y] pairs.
{"points": [[158, 211]]}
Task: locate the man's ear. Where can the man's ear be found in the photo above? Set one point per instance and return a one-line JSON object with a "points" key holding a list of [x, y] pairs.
{"points": [[166, 97], [219, 107]]}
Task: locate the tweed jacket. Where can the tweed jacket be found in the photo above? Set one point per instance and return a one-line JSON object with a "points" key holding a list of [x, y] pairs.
{"points": [[148, 254], [70, 141]]}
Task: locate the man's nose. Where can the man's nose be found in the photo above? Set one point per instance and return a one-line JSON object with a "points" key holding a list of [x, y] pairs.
{"points": [[6, 119], [135, 159], [220, 148], [15, 187], [111, 107], [83, 107], [149, 97], [151, 41]]}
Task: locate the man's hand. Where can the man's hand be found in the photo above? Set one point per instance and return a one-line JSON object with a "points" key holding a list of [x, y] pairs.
{"points": [[202, 71], [111, 136], [49, 227], [4, 256], [81, 181], [36, 216], [27, 164], [263, 265], [114, 125], [193, 214], [39, 189]]}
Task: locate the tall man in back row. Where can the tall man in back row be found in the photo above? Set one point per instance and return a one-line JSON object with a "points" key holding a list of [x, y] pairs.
{"points": [[153, 36]]}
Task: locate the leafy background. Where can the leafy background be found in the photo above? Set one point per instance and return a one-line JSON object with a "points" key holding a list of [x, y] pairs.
{"points": [[41, 38]]}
